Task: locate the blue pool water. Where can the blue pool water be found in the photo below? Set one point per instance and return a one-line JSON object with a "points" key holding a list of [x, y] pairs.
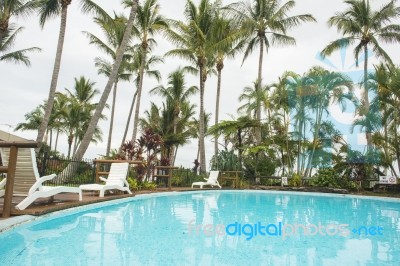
{"points": [[202, 228]]}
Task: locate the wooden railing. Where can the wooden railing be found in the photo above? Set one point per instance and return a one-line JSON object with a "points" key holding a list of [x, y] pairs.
{"points": [[10, 170], [168, 175], [231, 176]]}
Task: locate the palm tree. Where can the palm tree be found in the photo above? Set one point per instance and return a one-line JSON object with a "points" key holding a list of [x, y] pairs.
{"points": [[227, 42], [266, 18], [49, 9], [161, 121], [176, 96], [148, 23], [176, 93], [91, 127], [79, 111], [364, 27], [32, 119], [326, 88], [19, 56], [13, 8], [134, 66], [253, 97], [113, 29], [236, 128], [194, 43]]}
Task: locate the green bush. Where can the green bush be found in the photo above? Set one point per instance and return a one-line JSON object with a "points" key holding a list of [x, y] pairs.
{"points": [[295, 181], [133, 184], [328, 177], [149, 186]]}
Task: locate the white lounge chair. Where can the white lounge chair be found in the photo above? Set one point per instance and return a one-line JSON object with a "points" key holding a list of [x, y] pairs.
{"points": [[211, 181], [40, 191], [116, 180], [2, 185]]}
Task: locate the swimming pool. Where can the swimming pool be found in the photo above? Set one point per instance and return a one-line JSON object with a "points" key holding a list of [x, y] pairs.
{"points": [[213, 228]]}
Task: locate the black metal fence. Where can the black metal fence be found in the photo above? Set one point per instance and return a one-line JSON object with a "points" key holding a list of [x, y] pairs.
{"points": [[82, 172]]}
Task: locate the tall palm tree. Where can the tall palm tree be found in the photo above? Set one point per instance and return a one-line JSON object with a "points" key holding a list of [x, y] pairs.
{"points": [[113, 29], [148, 23], [19, 56], [194, 40], [49, 9], [266, 23], [135, 66], [91, 127], [326, 88], [14, 8], [227, 42], [364, 27]]}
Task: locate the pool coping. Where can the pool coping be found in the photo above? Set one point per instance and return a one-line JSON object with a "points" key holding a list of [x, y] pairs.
{"points": [[15, 221]]}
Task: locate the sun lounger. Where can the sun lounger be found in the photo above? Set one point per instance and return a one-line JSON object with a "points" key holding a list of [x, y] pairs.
{"points": [[116, 180]]}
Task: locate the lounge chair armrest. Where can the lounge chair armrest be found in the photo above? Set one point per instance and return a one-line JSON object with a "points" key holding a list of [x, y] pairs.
{"points": [[125, 182], [205, 179], [102, 178], [39, 182], [47, 178]]}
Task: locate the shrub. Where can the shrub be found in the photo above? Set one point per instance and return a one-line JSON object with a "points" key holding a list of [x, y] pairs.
{"points": [[295, 181], [328, 177], [133, 183]]}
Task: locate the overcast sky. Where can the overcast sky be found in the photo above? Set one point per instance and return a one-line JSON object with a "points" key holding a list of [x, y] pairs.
{"points": [[22, 88]]}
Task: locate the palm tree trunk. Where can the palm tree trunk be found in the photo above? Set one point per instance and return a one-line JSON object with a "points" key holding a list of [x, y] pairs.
{"points": [[139, 95], [3, 28], [176, 152], [217, 113], [201, 128], [368, 133], [111, 80], [259, 78], [129, 119], [56, 142], [111, 119], [54, 77]]}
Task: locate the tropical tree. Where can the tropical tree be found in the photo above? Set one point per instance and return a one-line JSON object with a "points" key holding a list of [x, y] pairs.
{"points": [[13, 8], [386, 120], [148, 23], [161, 121], [113, 29], [32, 119], [326, 88], [111, 80], [227, 43], [79, 112], [134, 67], [266, 23], [177, 94], [19, 56], [254, 97], [236, 128], [194, 42], [365, 28], [49, 9]]}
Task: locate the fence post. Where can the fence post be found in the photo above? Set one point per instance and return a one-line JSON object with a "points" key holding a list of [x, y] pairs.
{"points": [[44, 164], [94, 170]]}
